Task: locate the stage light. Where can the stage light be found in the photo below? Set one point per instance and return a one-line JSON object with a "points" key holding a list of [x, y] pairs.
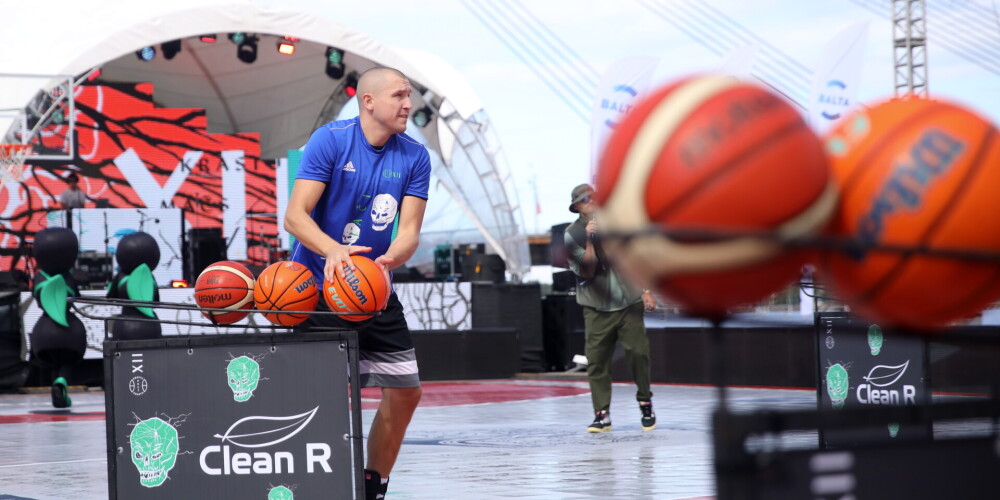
{"points": [[334, 56], [179, 284], [237, 37], [170, 49], [351, 85], [422, 116], [334, 63], [146, 53], [246, 51], [94, 74], [286, 45], [207, 38]]}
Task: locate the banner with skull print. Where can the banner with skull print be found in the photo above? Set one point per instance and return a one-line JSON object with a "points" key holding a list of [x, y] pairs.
{"points": [[231, 417], [862, 365]]}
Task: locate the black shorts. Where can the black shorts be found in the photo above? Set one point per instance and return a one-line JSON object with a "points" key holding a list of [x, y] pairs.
{"points": [[386, 357]]}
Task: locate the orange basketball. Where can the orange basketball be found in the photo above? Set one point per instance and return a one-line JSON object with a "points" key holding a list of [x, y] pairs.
{"points": [[916, 174], [364, 290], [225, 285], [286, 286], [700, 186]]}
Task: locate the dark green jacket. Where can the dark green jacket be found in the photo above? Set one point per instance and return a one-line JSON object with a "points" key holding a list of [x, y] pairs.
{"points": [[606, 290]]}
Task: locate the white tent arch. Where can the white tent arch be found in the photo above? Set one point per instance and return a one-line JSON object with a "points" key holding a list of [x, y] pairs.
{"points": [[285, 98]]}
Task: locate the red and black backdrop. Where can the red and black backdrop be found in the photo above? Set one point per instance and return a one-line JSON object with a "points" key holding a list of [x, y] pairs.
{"points": [[131, 154]]}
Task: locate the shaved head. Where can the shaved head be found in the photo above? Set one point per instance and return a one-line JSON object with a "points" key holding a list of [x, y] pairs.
{"points": [[383, 103], [374, 79]]}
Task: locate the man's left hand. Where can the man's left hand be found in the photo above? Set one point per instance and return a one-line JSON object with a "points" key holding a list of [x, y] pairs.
{"points": [[385, 263], [648, 301]]}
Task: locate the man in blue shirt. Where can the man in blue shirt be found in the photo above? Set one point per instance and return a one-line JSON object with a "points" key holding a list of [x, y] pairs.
{"points": [[362, 187]]}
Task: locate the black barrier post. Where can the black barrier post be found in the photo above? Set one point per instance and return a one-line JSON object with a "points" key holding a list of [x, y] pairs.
{"points": [[357, 434], [109, 421], [723, 432], [995, 397], [820, 322], [718, 362], [727, 438], [108, 263]]}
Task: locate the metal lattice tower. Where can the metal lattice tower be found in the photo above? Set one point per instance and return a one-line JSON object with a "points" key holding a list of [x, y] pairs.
{"points": [[909, 34]]}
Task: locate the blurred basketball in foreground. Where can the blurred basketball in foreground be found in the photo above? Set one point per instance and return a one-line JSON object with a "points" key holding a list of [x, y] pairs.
{"points": [[286, 286], [225, 285], [364, 290], [921, 175], [731, 171]]}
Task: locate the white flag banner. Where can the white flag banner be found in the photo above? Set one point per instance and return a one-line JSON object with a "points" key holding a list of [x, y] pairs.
{"points": [[619, 86], [739, 61], [838, 76]]}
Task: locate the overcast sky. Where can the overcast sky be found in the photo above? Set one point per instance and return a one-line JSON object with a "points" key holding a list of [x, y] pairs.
{"points": [[547, 143]]}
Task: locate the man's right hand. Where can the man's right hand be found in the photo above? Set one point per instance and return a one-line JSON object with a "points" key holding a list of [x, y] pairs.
{"points": [[591, 229], [337, 257]]}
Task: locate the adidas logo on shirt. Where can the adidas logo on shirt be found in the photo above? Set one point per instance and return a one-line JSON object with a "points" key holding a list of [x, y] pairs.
{"points": [[349, 167]]}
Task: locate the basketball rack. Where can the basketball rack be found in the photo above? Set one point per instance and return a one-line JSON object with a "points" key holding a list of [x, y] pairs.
{"points": [[100, 301]]}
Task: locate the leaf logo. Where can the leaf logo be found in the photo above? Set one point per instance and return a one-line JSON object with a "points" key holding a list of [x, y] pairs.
{"points": [[884, 375], [256, 430]]}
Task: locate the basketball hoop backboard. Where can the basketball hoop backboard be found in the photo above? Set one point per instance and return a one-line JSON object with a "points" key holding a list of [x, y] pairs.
{"points": [[12, 161], [39, 111]]}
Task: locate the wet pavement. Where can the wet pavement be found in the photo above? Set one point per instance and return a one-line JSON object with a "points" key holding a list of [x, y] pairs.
{"points": [[498, 439]]}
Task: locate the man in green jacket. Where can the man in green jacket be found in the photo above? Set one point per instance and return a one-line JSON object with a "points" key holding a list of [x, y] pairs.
{"points": [[612, 312]]}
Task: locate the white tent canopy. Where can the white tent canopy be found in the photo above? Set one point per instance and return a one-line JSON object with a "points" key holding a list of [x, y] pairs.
{"points": [[284, 98]]}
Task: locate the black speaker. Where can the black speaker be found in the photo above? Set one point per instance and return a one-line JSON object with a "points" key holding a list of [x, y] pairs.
{"points": [[404, 274], [562, 323], [444, 262], [13, 370], [481, 353], [557, 246], [205, 247], [563, 281], [482, 267], [15, 280], [513, 305], [93, 268]]}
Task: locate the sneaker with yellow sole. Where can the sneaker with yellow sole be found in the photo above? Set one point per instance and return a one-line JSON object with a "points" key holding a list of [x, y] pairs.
{"points": [[602, 422], [648, 417]]}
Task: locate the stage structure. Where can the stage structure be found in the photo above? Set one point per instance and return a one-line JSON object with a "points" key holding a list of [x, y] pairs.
{"points": [[909, 37], [195, 111]]}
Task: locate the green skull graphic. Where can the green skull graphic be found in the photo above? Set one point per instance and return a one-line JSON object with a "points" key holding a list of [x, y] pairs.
{"points": [[244, 375], [875, 339], [837, 384], [893, 429], [280, 493], [154, 450]]}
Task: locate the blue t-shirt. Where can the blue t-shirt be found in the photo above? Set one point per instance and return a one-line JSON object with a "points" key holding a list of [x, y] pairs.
{"points": [[364, 186]]}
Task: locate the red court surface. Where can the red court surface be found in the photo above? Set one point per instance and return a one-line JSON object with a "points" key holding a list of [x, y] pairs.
{"points": [[51, 416], [434, 394], [466, 393]]}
